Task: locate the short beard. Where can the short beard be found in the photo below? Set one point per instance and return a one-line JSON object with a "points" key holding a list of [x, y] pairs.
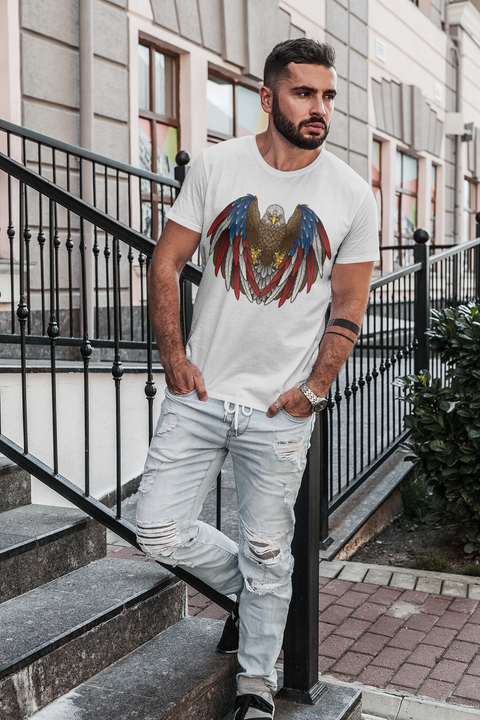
{"points": [[291, 133]]}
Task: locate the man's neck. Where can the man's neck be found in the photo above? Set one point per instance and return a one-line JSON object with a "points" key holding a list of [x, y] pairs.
{"points": [[281, 154]]}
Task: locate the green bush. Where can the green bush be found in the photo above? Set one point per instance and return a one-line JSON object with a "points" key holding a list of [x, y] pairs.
{"points": [[416, 498], [445, 422]]}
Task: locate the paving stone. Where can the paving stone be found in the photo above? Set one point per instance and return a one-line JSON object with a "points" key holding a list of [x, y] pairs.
{"points": [[335, 614], [461, 651], [463, 605], [454, 589], [385, 596], [403, 580], [198, 600], [448, 671], [334, 646], [368, 611], [406, 639], [422, 621], [355, 572], [441, 637], [470, 633], [351, 664], [325, 663], [386, 625], [427, 655], [352, 599], [370, 644], [474, 592], [337, 587], [376, 676], [474, 668], [475, 617], [409, 676], [378, 576], [429, 585], [436, 604], [324, 630], [324, 601], [463, 701], [366, 587], [454, 620], [436, 689], [213, 612], [330, 568], [469, 688], [390, 658], [414, 596], [352, 628]]}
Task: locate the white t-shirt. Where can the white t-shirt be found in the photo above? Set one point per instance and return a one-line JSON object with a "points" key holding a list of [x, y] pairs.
{"points": [[269, 241]]}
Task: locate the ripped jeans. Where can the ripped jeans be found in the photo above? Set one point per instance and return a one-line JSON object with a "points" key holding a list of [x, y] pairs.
{"points": [[188, 449]]}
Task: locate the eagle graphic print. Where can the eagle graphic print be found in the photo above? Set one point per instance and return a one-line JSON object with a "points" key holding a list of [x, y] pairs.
{"points": [[267, 258]]}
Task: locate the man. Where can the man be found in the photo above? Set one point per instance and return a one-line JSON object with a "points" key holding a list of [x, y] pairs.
{"points": [[282, 225]]}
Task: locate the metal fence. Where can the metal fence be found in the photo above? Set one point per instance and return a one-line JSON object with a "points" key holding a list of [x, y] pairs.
{"points": [[76, 284]]}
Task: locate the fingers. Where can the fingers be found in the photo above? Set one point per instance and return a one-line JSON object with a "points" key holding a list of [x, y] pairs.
{"points": [[275, 407], [200, 387]]}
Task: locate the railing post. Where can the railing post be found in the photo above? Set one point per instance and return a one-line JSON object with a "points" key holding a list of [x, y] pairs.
{"points": [[422, 301], [301, 682], [325, 539], [182, 159], [477, 258]]}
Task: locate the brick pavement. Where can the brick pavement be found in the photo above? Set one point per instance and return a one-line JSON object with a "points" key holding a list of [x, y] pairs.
{"points": [[401, 639]]}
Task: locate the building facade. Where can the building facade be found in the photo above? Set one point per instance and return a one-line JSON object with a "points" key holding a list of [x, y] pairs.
{"points": [[138, 80]]}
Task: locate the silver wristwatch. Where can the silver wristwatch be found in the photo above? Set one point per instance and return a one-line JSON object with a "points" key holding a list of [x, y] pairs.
{"points": [[318, 403]]}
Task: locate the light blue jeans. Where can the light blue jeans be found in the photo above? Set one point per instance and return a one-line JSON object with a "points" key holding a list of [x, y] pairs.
{"points": [[188, 449]]}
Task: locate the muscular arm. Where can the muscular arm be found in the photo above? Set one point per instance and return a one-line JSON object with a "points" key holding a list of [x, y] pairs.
{"points": [[174, 248], [350, 289]]}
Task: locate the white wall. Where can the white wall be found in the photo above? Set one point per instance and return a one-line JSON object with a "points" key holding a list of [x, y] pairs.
{"points": [[70, 426]]}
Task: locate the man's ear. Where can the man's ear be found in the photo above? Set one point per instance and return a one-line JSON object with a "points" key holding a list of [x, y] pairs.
{"points": [[266, 98]]}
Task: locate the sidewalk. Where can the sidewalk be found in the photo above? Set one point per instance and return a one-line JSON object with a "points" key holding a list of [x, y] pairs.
{"points": [[390, 628]]}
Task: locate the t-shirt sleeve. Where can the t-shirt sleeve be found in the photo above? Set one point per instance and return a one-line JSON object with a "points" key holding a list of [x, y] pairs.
{"points": [[361, 242], [188, 208]]}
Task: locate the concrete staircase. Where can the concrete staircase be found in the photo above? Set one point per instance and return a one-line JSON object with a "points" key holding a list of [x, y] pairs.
{"points": [[84, 636]]}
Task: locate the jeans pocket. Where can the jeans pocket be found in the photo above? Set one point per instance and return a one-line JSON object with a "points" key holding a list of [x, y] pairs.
{"points": [[176, 396], [295, 419]]}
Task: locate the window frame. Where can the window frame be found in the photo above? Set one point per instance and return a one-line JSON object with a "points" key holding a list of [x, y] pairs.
{"points": [[214, 136], [472, 185], [157, 197], [378, 184]]}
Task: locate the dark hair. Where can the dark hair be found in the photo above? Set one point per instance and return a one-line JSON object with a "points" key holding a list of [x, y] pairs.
{"points": [[297, 50]]}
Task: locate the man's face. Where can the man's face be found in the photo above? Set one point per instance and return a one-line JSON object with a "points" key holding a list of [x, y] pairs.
{"points": [[302, 105]]}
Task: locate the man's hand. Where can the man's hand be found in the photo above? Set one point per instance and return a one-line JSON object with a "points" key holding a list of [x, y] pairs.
{"points": [[182, 377], [294, 402]]}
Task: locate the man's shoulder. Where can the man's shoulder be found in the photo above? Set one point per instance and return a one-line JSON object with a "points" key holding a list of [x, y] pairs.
{"points": [[228, 149]]}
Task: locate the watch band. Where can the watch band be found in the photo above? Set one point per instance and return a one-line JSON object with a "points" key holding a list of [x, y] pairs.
{"points": [[318, 403]]}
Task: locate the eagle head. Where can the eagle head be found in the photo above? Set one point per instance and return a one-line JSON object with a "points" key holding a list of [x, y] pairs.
{"points": [[274, 216]]}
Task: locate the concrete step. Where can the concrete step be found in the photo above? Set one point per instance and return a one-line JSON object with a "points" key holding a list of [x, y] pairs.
{"points": [[336, 703], [14, 486], [63, 633], [177, 674], [39, 543]]}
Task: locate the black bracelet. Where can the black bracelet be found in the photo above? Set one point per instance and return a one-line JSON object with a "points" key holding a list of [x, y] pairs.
{"points": [[347, 324], [332, 332]]}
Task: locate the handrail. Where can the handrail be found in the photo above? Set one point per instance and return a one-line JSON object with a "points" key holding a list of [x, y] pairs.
{"points": [[453, 251], [93, 215], [391, 277], [85, 154]]}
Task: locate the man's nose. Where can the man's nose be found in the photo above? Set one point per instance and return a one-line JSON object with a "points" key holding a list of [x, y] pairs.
{"points": [[318, 106]]}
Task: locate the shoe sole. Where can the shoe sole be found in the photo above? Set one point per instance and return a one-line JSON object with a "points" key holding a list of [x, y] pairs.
{"points": [[227, 652]]}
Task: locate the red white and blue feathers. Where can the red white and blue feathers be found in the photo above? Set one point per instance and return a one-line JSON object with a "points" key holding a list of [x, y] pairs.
{"points": [[266, 258]]}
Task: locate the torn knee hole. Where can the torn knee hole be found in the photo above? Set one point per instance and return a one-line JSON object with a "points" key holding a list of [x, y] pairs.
{"points": [[260, 588], [158, 538], [263, 548], [148, 479]]}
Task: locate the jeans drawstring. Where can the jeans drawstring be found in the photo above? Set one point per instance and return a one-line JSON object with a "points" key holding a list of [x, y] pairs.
{"points": [[234, 411]]}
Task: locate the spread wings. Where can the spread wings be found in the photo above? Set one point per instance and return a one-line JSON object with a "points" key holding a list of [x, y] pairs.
{"points": [[300, 249]]}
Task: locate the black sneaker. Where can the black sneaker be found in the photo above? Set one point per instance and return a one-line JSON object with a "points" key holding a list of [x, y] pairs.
{"points": [[247, 705], [229, 640]]}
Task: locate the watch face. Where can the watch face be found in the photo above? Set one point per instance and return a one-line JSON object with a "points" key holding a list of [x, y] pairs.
{"points": [[320, 405]]}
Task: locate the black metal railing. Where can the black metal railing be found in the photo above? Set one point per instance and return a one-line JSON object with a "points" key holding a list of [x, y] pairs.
{"points": [[363, 422], [58, 292]]}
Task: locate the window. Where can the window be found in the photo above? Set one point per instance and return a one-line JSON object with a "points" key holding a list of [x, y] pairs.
{"points": [[406, 184], [158, 124], [376, 182], [233, 107], [469, 209], [433, 203]]}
